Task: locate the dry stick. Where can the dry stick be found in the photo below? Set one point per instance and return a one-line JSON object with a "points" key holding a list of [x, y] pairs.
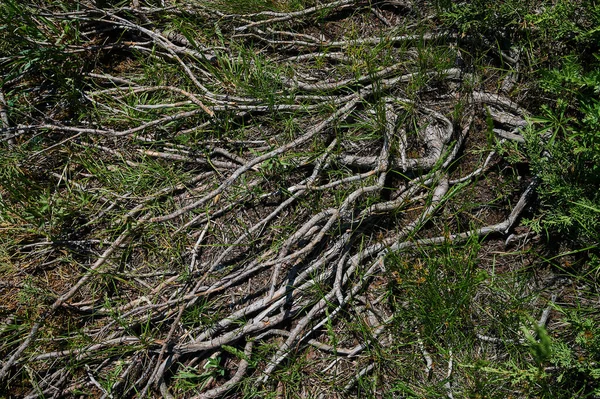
{"points": [[355, 379], [141, 380], [117, 89], [402, 146], [500, 227], [203, 291], [192, 97], [335, 216], [269, 108], [426, 356], [355, 261], [281, 260], [201, 218], [81, 353], [232, 336], [477, 171], [381, 17], [512, 135], [94, 382], [172, 50], [305, 280], [114, 79], [336, 56], [108, 108], [300, 254], [506, 119], [497, 99], [120, 46], [331, 86], [122, 379], [280, 17], [227, 154], [86, 276], [258, 160], [312, 342], [339, 277], [181, 39], [35, 154], [19, 132], [4, 119], [112, 152], [145, 107], [258, 226], [110, 132], [161, 121], [447, 385], [195, 250], [284, 349], [357, 42], [546, 312], [275, 302], [293, 34], [304, 232], [459, 142], [406, 196], [375, 267], [182, 158]]}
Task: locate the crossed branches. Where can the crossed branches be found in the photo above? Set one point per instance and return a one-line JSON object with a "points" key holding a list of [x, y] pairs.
{"points": [[268, 282]]}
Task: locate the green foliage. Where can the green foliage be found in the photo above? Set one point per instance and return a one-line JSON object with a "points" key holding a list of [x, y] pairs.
{"points": [[36, 207], [568, 21], [563, 146], [441, 283], [34, 52], [539, 347], [252, 6], [484, 18], [573, 359], [189, 378]]}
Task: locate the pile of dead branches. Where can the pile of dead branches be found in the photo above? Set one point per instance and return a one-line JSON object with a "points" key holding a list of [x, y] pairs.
{"points": [[284, 230]]}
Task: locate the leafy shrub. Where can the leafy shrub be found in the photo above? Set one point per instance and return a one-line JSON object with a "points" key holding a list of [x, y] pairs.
{"points": [[564, 151]]}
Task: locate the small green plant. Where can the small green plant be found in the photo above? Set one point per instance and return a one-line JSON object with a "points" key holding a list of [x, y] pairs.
{"points": [[441, 283], [189, 378], [564, 151]]}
